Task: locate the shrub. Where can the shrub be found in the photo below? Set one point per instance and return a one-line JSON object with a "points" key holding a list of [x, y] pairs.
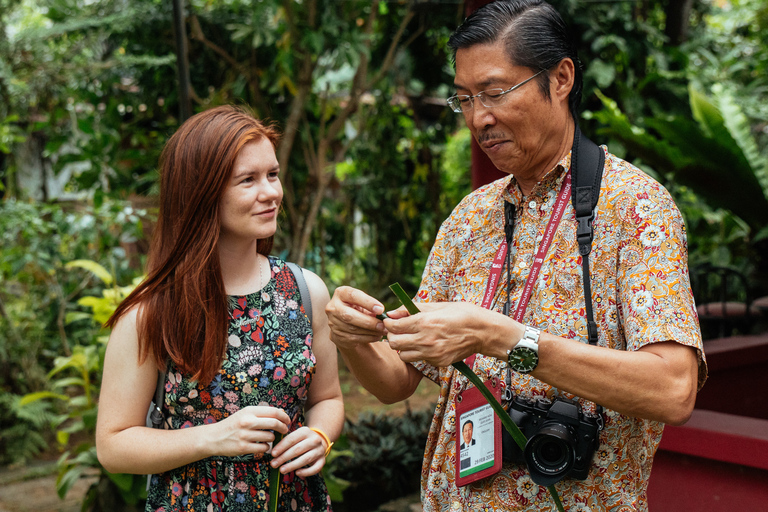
{"points": [[386, 453]]}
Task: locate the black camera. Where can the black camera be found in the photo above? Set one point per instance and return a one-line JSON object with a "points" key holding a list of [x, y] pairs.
{"points": [[561, 438]]}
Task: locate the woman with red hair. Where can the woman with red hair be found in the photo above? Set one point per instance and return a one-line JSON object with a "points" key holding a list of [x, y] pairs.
{"points": [[226, 324]]}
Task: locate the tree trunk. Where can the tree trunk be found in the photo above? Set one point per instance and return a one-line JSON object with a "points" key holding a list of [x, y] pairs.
{"points": [[678, 13]]}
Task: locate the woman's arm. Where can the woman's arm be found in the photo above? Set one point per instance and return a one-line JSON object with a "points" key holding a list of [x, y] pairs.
{"points": [[125, 445], [304, 449]]}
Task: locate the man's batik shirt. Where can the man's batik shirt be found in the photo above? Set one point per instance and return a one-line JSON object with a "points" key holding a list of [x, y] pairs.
{"points": [[641, 294]]}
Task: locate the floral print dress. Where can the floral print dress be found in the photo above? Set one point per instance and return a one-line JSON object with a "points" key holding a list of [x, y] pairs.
{"points": [[269, 361]]}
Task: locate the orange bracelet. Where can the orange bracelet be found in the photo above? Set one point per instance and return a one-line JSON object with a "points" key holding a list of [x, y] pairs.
{"points": [[325, 438]]}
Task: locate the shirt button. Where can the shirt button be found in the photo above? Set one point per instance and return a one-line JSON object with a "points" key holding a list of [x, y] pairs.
{"points": [[521, 264], [532, 205]]}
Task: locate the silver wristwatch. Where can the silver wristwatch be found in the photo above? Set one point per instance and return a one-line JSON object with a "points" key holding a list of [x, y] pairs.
{"points": [[524, 358]]}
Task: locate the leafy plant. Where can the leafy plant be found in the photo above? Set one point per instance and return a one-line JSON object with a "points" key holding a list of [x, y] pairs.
{"points": [[38, 295], [74, 384], [385, 458], [714, 156]]}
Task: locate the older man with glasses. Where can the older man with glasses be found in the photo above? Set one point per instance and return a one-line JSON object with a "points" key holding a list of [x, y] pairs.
{"points": [[511, 302]]}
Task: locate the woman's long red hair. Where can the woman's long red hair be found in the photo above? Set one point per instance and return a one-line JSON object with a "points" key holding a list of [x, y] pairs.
{"points": [[182, 302]]}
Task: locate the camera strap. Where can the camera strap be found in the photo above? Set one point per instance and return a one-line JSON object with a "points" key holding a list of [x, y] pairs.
{"points": [[587, 162]]}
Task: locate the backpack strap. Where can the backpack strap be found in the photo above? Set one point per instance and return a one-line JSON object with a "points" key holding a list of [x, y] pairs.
{"points": [[156, 416], [587, 161], [306, 299]]}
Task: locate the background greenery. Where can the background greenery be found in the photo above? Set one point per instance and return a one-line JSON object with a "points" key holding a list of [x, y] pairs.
{"points": [[371, 159]]}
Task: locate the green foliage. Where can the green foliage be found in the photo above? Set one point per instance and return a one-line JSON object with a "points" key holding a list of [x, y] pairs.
{"points": [[711, 163], [397, 165], [39, 323], [386, 456], [21, 437], [74, 382]]}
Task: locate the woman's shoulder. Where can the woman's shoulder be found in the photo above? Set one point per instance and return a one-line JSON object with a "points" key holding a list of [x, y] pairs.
{"points": [[317, 288]]}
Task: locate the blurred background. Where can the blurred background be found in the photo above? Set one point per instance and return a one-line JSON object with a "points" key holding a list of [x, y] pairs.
{"points": [[372, 160]]}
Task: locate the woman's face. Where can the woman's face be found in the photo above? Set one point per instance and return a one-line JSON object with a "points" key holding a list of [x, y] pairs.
{"points": [[251, 201]]}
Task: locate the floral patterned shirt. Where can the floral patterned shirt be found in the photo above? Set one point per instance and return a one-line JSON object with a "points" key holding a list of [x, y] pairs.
{"points": [[641, 295]]}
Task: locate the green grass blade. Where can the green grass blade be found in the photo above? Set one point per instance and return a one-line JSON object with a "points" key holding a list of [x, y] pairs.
{"points": [[513, 429], [274, 481], [404, 298], [465, 370]]}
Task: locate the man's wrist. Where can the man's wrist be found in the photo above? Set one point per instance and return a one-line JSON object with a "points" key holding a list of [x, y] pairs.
{"points": [[524, 356]]}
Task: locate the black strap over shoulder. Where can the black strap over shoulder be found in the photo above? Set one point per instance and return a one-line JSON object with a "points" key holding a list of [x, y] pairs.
{"points": [[306, 299], [587, 161]]}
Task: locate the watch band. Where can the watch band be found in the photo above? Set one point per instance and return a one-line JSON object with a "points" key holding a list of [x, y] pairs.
{"points": [[531, 334], [524, 357]]}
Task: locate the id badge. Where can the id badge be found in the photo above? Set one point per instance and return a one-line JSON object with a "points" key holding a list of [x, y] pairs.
{"points": [[478, 435]]}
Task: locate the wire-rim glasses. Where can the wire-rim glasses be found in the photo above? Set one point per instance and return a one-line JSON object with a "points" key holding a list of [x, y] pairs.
{"points": [[490, 98]]}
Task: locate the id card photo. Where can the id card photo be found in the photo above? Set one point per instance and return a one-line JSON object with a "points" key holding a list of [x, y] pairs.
{"points": [[476, 440]]}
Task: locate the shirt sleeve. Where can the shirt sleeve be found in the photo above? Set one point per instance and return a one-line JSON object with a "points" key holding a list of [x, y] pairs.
{"points": [[435, 285], [654, 292]]}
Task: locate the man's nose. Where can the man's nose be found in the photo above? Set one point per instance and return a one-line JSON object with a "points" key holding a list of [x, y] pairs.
{"points": [[481, 116]]}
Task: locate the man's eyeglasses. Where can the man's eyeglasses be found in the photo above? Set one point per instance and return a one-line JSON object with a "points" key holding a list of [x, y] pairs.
{"points": [[489, 98]]}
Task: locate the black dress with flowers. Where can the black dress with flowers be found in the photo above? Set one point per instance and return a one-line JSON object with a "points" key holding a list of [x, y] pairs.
{"points": [[269, 361]]}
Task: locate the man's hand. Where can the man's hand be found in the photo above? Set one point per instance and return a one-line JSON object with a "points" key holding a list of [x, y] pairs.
{"points": [[352, 318], [446, 332]]}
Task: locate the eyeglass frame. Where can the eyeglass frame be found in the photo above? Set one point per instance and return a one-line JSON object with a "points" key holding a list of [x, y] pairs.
{"points": [[484, 94]]}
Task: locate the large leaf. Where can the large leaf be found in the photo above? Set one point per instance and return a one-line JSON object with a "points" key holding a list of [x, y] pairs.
{"points": [[738, 126], [702, 155], [92, 267], [67, 479], [33, 397]]}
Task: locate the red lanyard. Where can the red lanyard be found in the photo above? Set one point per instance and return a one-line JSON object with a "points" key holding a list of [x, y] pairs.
{"points": [[501, 253]]}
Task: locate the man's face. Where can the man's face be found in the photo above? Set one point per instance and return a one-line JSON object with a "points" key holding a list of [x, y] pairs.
{"points": [[522, 135], [466, 432]]}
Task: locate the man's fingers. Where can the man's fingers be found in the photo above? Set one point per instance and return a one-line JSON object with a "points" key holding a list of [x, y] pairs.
{"points": [[400, 312], [349, 320], [355, 297]]}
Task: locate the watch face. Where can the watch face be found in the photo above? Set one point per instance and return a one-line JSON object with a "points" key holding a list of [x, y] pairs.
{"points": [[523, 359]]}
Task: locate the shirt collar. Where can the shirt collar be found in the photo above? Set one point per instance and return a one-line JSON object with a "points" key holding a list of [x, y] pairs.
{"points": [[552, 180]]}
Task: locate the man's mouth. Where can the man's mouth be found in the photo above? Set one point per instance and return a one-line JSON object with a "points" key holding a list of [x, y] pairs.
{"points": [[490, 140], [491, 144]]}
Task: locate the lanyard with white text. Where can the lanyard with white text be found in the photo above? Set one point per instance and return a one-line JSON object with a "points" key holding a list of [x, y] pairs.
{"points": [[546, 241]]}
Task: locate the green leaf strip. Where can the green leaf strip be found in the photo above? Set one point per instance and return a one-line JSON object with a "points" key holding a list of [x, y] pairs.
{"points": [[465, 370], [513, 429], [404, 298], [274, 480]]}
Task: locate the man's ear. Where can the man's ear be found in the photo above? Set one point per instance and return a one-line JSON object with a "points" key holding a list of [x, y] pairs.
{"points": [[561, 79]]}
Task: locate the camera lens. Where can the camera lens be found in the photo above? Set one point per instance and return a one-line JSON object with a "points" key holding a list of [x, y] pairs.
{"points": [[550, 454]]}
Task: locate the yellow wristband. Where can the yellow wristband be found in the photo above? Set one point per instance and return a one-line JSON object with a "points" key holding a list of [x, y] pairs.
{"points": [[325, 438]]}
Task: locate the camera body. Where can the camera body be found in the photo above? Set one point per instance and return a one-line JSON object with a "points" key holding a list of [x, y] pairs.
{"points": [[561, 438]]}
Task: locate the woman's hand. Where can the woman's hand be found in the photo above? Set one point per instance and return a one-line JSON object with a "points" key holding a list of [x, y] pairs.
{"points": [[250, 430], [303, 451]]}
